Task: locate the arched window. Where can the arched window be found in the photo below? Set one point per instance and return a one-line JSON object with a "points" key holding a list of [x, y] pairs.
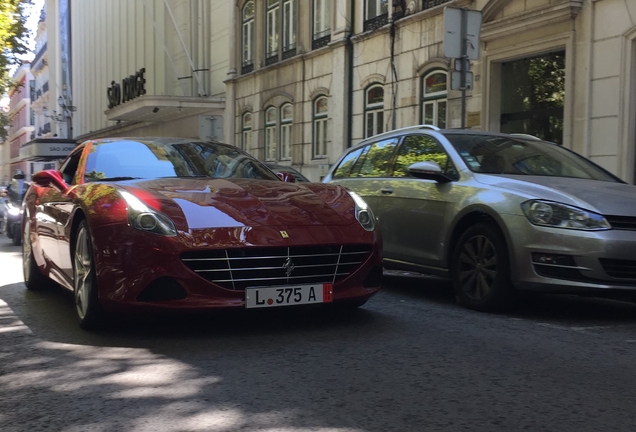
{"points": [[270, 134], [247, 54], [246, 142], [374, 110], [286, 114], [434, 102], [321, 114]]}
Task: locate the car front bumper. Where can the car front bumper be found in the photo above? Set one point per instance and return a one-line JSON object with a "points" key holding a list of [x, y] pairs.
{"points": [[571, 261], [129, 261]]}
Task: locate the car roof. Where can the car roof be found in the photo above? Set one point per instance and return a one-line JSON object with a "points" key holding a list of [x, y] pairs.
{"points": [[431, 128]]}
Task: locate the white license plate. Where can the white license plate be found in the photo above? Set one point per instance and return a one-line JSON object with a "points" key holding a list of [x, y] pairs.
{"points": [[288, 295]]}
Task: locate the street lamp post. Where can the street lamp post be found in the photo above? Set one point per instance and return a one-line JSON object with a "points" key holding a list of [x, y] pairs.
{"points": [[67, 113], [66, 116]]}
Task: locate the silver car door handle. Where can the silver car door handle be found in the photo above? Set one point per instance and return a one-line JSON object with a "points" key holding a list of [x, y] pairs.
{"points": [[386, 191]]}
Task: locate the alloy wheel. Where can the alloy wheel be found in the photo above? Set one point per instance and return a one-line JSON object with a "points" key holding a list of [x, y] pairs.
{"points": [[82, 272], [477, 267]]}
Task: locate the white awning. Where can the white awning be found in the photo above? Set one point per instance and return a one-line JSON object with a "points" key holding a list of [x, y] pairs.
{"points": [[149, 108]]}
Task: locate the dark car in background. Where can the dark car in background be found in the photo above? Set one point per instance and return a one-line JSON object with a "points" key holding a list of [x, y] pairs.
{"points": [[495, 213], [12, 207]]}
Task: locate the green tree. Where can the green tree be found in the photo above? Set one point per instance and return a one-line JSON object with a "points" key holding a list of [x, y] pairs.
{"points": [[13, 35]]}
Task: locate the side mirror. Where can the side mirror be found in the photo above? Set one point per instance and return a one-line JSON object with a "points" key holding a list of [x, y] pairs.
{"points": [[286, 177], [428, 171], [50, 178]]}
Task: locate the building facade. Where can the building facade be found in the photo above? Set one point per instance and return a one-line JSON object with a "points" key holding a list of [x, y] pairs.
{"points": [[40, 89], [21, 120], [149, 67], [311, 78], [5, 150]]}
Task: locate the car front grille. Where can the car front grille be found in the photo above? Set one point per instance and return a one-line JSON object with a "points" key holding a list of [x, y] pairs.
{"points": [[250, 267], [619, 269], [622, 222]]}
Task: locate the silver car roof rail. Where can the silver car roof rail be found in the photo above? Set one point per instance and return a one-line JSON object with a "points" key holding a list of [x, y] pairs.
{"points": [[527, 136], [407, 128]]}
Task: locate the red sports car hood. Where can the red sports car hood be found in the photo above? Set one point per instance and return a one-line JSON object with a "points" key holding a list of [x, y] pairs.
{"points": [[215, 203]]}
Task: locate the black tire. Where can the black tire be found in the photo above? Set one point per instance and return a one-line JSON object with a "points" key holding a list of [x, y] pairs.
{"points": [[33, 277], [8, 232], [17, 234], [85, 291], [480, 269]]}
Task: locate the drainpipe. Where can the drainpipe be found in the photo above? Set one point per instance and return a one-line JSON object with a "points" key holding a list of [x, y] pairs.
{"points": [[349, 45]]}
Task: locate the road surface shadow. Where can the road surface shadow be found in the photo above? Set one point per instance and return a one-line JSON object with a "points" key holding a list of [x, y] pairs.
{"points": [[50, 315], [565, 309]]}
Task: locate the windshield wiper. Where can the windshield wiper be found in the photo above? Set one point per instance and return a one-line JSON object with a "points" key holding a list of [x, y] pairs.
{"points": [[118, 178], [188, 176]]}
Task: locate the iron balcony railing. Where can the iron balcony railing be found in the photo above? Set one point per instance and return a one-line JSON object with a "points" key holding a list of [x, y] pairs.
{"points": [[39, 54], [289, 51], [271, 59], [428, 4], [248, 66], [376, 22], [321, 39]]}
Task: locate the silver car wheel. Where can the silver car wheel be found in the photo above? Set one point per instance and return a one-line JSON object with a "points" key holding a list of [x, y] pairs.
{"points": [[478, 267], [82, 272]]}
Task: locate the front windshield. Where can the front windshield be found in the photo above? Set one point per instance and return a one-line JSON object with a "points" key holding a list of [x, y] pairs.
{"points": [[494, 154], [129, 159]]}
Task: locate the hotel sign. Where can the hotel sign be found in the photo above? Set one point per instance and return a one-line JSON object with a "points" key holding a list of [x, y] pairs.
{"points": [[35, 149], [130, 88]]}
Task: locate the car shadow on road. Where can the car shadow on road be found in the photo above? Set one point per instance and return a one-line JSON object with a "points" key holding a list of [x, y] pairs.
{"points": [[50, 315], [564, 309]]}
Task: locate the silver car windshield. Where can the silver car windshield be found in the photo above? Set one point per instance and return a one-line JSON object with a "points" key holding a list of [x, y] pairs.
{"points": [[493, 154]]}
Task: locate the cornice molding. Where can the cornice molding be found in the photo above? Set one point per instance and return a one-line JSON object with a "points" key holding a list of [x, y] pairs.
{"points": [[532, 19]]}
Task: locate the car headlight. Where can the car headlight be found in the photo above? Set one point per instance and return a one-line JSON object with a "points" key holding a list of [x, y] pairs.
{"points": [[144, 218], [552, 214], [13, 210], [364, 215]]}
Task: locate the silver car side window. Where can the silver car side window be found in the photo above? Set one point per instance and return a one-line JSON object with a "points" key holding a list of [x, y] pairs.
{"points": [[344, 169], [422, 148], [375, 160]]}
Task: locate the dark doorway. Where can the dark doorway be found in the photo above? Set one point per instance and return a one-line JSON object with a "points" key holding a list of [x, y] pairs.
{"points": [[532, 95]]}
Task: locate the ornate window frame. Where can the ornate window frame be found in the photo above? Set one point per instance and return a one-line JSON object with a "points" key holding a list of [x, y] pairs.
{"points": [[286, 124], [320, 129], [246, 130], [247, 38], [271, 135], [436, 100], [376, 110]]}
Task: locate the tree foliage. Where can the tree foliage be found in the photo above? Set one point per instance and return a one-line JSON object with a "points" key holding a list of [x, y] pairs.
{"points": [[536, 86], [13, 35]]}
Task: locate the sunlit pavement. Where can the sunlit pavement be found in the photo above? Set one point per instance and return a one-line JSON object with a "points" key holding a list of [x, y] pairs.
{"points": [[411, 360]]}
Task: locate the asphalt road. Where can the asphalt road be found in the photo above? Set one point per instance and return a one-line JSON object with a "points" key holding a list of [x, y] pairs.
{"points": [[409, 360]]}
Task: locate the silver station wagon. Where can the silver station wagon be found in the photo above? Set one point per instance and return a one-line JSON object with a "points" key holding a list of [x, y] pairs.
{"points": [[495, 213]]}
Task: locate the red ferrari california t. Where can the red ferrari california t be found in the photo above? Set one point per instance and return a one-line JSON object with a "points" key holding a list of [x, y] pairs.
{"points": [[165, 223]]}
